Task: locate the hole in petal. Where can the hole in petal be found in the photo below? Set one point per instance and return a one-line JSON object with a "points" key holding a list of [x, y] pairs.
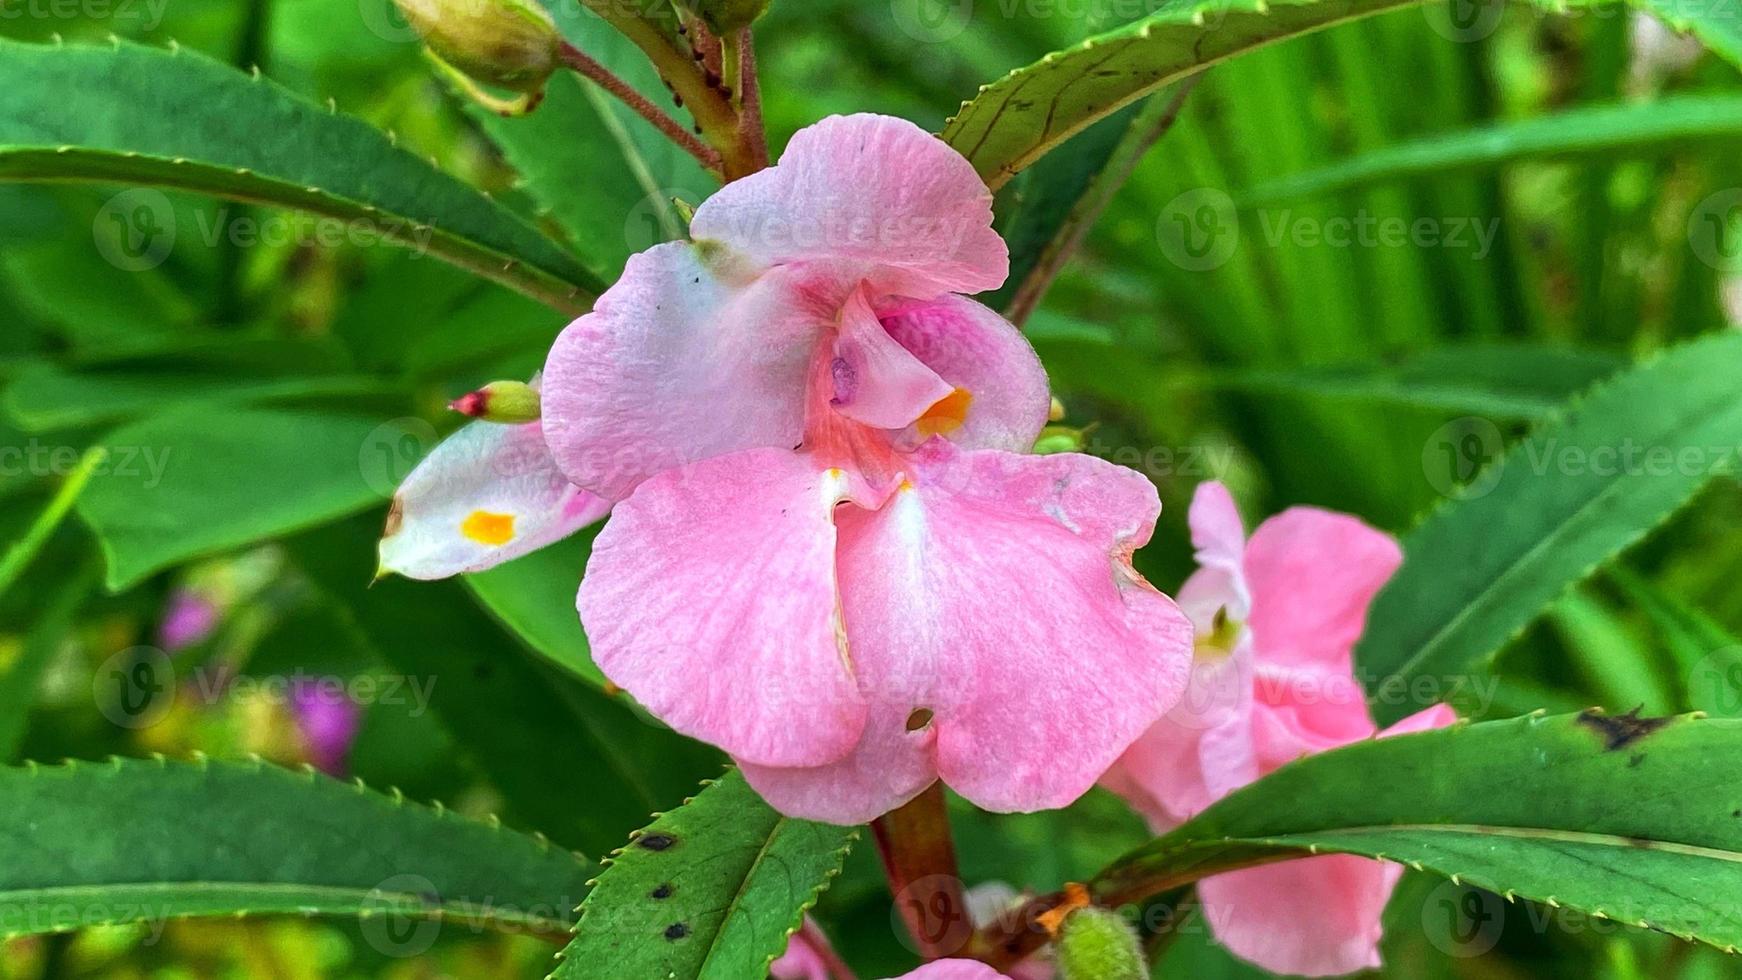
{"points": [[920, 718]]}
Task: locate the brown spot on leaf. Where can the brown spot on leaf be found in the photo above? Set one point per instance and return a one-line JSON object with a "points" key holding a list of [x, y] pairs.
{"points": [[655, 842], [1620, 731], [677, 930]]}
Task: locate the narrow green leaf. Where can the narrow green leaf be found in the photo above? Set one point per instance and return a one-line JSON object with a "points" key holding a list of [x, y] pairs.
{"points": [[710, 890], [194, 482], [175, 118], [18, 556], [1018, 118], [87, 844], [52, 397], [1606, 131], [1707, 652], [1542, 517], [1627, 818]]}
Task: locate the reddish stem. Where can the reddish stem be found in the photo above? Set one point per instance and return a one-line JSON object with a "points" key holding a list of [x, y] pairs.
{"points": [[584, 65], [750, 128], [919, 859]]}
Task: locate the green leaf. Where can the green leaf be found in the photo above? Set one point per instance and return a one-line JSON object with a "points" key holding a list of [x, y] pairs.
{"points": [[88, 844], [1707, 653], [52, 397], [1627, 818], [1018, 118], [179, 119], [1542, 517], [523, 721], [709, 890], [194, 482], [534, 598], [1606, 131]]}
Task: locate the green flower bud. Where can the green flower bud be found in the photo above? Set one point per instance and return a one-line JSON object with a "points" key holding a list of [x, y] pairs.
{"points": [[725, 17], [512, 44], [500, 401], [1059, 439], [1098, 944]]}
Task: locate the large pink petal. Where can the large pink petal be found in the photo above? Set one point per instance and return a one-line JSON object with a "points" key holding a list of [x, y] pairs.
{"points": [[982, 354], [1316, 917], [711, 597], [487, 494], [1313, 574], [876, 380], [684, 359], [888, 767], [880, 198], [953, 970], [995, 592]]}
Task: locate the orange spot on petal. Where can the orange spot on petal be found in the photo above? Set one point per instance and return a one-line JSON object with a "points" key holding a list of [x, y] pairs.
{"points": [[946, 415], [487, 528]]}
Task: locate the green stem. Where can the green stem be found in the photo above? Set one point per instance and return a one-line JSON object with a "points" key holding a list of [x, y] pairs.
{"points": [[713, 112], [18, 557]]}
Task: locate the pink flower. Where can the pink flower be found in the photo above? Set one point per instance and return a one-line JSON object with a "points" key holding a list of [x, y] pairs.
{"points": [[328, 721], [955, 970], [489, 493], [189, 619], [1277, 618], [832, 556]]}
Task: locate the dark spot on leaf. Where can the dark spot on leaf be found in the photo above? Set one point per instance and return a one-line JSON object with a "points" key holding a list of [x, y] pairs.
{"points": [[677, 930], [1621, 730], [663, 891], [1634, 761], [1736, 813], [656, 842]]}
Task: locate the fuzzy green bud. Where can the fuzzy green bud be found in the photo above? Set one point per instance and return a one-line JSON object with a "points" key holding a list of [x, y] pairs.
{"points": [[511, 44], [1098, 944], [1060, 439], [500, 401]]}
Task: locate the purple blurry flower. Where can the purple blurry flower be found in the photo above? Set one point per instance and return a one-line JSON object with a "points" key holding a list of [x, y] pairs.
{"points": [[328, 720], [189, 618]]}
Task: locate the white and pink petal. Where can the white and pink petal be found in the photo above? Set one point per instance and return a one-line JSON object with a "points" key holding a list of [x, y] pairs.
{"points": [[487, 494]]}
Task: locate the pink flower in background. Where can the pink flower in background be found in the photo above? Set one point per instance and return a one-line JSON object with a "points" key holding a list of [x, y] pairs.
{"points": [[328, 721], [487, 494], [954, 970], [1277, 618], [189, 619], [832, 556]]}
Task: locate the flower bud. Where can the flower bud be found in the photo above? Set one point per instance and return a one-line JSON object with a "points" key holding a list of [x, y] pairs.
{"points": [[1098, 944], [1060, 439], [511, 44], [500, 401], [725, 17]]}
